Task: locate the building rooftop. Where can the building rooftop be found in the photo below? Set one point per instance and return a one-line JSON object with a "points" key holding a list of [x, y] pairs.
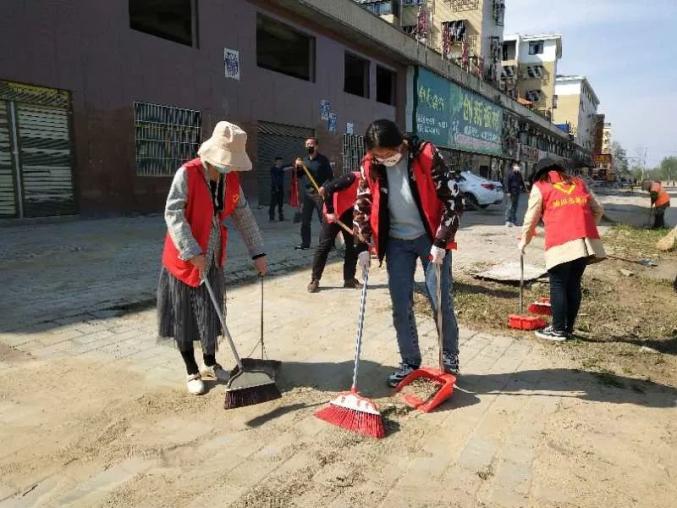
{"points": [[561, 79], [537, 37]]}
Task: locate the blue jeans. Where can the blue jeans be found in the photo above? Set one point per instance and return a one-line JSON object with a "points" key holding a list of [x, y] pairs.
{"points": [[401, 257], [511, 207]]}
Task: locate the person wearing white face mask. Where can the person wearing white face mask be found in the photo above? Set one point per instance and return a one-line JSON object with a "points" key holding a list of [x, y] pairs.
{"points": [[408, 208], [204, 192]]}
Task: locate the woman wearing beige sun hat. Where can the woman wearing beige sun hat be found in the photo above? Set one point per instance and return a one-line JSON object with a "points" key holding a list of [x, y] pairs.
{"points": [[204, 192]]}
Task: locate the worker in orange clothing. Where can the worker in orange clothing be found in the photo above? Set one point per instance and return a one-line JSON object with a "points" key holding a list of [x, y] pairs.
{"points": [[660, 201]]}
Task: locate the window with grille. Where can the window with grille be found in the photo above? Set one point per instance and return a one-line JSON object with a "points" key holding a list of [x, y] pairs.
{"points": [[464, 5], [353, 152], [536, 48], [165, 136]]}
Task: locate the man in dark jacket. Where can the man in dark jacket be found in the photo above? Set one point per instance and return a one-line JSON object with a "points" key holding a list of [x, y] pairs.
{"points": [[514, 188], [320, 169], [277, 188]]}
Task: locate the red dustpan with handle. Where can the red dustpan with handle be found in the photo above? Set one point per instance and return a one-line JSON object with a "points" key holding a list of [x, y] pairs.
{"points": [[444, 380], [523, 321]]}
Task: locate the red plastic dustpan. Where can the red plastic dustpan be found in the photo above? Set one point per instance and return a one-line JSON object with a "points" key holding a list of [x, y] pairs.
{"points": [[437, 376]]}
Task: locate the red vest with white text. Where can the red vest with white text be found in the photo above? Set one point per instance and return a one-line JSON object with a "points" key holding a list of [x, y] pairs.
{"points": [[431, 206], [566, 211], [199, 212]]}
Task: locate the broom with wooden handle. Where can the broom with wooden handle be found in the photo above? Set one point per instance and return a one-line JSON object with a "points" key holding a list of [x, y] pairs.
{"points": [[317, 188], [350, 410], [246, 386]]}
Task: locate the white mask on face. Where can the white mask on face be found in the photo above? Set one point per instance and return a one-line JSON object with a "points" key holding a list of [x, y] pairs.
{"points": [[390, 161], [222, 169]]}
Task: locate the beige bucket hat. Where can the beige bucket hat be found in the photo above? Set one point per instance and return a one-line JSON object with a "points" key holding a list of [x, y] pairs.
{"points": [[226, 147]]}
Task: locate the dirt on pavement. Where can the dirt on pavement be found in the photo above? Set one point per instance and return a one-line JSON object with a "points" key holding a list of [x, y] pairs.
{"points": [[583, 424]]}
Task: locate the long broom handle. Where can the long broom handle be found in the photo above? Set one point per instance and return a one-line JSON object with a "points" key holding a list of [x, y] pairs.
{"points": [[360, 327], [317, 188], [212, 297], [438, 314], [521, 283], [263, 347]]}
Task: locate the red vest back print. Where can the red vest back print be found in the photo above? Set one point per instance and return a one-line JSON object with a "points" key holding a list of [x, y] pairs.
{"points": [[199, 212], [566, 211], [345, 199], [432, 207]]}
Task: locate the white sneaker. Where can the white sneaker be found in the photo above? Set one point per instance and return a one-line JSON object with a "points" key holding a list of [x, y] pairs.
{"points": [[214, 372], [509, 225], [195, 384]]}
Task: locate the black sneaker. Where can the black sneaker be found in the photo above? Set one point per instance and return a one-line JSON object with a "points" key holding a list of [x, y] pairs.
{"points": [[450, 361], [551, 334], [302, 247], [352, 284], [397, 376]]}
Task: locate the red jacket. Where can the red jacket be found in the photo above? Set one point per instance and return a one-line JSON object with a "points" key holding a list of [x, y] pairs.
{"points": [[566, 211], [344, 199], [199, 213], [423, 188]]}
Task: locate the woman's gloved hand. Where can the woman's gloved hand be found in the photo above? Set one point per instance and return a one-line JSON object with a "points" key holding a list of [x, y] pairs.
{"points": [[437, 255]]}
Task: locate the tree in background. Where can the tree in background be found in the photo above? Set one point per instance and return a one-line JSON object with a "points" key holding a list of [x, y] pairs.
{"points": [[667, 170], [620, 158]]}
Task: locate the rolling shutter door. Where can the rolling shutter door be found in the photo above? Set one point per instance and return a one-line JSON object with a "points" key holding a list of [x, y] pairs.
{"points": [[286, 141], [46, 161], [8, 197]]}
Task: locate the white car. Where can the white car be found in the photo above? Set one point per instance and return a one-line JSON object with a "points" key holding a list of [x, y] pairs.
{"points": [[480, 192]]}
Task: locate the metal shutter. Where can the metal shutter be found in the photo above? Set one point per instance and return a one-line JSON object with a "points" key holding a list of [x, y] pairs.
{"points": [[8, 206], [286, 141], [46, 160]]}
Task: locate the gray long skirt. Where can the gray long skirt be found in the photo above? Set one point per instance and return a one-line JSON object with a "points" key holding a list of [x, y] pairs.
{"points": [[187, 314]]}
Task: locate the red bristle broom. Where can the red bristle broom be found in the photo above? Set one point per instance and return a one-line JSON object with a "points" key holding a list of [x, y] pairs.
{"points": [[350, 410]]}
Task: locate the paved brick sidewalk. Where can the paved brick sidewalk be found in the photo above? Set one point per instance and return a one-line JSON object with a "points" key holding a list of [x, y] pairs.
{"points": [[523, 427], [484, 448], [54, 271]]}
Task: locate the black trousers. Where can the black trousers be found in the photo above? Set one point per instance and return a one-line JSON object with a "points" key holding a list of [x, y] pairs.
{"points": [[310, 203], [659, 217], [276, 200], [565, 293], [327, 237]]}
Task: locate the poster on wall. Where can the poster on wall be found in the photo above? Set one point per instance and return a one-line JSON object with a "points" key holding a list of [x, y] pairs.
{"points": [[231, 61], [350, 128], [331, 123], [325, 109], [451, 116]]}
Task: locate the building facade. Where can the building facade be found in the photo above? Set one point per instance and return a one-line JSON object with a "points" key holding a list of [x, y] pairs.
{"points": [[607, 139], [468, 32], [106, 99], [577, 106], [530, 69]]}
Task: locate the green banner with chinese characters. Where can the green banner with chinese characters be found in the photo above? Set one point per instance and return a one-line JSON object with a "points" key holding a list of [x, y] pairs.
{"points": [[451, 116]]}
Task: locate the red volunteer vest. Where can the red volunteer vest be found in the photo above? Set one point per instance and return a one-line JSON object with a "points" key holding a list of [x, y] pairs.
{"points": [[432, 207], [663, 197], [345, 199], [199, 212], [566, 212]]}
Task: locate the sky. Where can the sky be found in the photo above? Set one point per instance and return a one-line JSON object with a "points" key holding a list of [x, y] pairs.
{"points": [[628, 51]]}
